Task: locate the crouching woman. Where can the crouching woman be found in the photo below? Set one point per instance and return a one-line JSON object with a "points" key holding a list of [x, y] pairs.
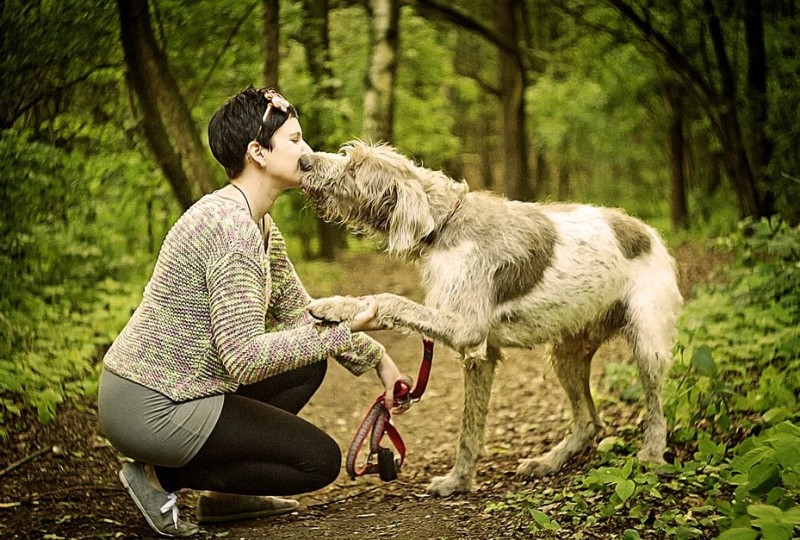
{"points": [[203, 385]]}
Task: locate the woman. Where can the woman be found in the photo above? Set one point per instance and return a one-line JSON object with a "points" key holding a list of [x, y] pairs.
{"points": [[197, 389]]}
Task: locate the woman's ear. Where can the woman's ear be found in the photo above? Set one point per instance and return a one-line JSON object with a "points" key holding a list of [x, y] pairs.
{"points": [[256, 154]]}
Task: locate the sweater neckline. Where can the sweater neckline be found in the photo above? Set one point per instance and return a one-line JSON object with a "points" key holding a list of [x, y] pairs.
{"points": [[266, 239]]}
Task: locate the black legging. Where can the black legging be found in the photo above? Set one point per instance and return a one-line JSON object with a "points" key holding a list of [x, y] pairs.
{"points": [[259, 446]]}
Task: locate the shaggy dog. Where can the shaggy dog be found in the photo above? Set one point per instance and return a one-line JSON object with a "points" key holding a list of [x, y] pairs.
{"points": [[500, 273]]}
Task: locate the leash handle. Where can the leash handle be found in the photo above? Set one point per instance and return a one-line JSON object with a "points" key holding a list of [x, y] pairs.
{"points": [[377, 423]]}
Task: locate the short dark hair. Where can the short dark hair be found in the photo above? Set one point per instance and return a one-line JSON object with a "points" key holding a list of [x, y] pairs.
{"points": [[237, 123]]}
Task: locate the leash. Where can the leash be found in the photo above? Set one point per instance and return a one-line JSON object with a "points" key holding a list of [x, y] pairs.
{"points": [[377, 423]]}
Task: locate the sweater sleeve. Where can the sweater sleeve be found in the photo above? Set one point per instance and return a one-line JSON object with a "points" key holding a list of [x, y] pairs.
{"points": [[288, 307], [238, 306]]}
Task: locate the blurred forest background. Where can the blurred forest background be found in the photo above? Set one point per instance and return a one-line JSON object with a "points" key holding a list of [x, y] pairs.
{"points": [[683, 112]]}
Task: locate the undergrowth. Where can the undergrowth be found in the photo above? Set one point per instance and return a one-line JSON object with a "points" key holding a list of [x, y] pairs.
{"points": [[731, 404]]}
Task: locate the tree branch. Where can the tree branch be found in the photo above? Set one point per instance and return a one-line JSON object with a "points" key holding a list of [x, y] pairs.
{"points": [[662, 44], [222, 51], [24, 460], [437, 11], [21, 109]]}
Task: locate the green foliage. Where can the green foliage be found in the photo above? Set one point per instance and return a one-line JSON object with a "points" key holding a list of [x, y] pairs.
{"points": [[72, 265], [733, 412]]}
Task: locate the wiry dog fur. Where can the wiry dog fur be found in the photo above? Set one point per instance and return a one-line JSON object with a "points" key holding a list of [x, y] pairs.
{"points": [[500, 273]]}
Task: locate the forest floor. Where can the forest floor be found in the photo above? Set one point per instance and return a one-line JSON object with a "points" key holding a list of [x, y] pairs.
{"points": [[64, 480]]}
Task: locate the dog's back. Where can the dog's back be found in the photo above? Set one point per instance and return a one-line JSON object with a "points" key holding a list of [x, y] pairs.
{"points": [[552, 268]]}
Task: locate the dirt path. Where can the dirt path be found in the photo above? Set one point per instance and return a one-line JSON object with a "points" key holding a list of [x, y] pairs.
{"points": [[74, 493]]}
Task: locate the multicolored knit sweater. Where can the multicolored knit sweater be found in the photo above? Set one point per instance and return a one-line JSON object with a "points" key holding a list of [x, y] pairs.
{"points": [[224, 309]]}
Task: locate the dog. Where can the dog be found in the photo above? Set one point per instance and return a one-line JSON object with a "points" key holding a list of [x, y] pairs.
{"points": [[501, 273]]}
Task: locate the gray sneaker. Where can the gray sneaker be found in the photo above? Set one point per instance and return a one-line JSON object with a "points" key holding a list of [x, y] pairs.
{"points": [[229, 507], [158, 507]]}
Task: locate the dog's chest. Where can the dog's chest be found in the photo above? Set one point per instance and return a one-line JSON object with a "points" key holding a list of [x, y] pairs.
{"points": [[446, 273]]}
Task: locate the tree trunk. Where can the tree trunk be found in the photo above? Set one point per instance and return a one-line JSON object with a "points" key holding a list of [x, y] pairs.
{"points": [[512, 101], [674, 107], [562, 190], [165, 116], [720, 106], [271, 18], [736, 160], [542, 174], [378, 124], [761, 143], [317, 52]]}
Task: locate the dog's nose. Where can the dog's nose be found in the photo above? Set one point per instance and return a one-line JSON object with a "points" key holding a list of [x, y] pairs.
{"points": [[305, 162]]}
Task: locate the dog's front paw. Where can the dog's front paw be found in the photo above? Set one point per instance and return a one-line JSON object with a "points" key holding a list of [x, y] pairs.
{"points": [[336, 308], [537, 467], [443, 486]]}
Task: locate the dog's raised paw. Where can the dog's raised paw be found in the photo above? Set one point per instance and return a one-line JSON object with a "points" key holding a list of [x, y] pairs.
{"points": [[336, 308], [443, 486]]}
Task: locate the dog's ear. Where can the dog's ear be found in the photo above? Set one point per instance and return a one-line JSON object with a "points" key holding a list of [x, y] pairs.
{"points": [[411, 218]]}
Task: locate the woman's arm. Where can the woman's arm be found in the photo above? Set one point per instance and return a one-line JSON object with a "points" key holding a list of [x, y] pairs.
{"points": [[287, 309], [238, 307]]}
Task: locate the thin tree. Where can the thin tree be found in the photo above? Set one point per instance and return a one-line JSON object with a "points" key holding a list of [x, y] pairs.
{"points": [[378, 124], [511, 37], [716, 92], [316, 42], [272, 39], [165, 115]]}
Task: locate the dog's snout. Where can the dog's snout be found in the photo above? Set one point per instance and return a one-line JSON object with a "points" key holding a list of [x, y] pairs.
{"points": [[305, 162]]}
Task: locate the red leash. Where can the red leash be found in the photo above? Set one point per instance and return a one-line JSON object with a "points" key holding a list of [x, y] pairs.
{"points": [[377, 423]]}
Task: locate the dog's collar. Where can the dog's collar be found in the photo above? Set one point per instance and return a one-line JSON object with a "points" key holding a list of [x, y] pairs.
{"points": [[432, 236]]}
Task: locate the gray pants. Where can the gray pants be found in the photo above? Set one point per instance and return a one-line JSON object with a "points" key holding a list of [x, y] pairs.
{"points": [[147, 426]]}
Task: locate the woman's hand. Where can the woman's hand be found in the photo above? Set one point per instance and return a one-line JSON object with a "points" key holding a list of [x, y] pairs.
{"points": [[389, 375], [367, 319]]}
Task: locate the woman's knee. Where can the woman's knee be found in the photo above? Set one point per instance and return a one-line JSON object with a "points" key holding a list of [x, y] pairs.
{"points": [[328, 462]]}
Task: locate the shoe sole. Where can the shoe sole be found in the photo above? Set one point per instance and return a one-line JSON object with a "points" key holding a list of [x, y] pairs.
{"points": [[144, 512]]}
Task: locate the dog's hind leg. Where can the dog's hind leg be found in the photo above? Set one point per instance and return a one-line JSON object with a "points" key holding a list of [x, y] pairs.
{"points": [[653, 306], [653, 353], [571, 360], [478, 376]]}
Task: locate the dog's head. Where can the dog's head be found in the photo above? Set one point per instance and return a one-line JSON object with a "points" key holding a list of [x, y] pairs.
{"points": [[374, 189]]}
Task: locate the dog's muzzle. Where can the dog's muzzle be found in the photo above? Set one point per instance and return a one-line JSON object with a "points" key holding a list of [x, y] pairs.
{"points": [[305, 163]]}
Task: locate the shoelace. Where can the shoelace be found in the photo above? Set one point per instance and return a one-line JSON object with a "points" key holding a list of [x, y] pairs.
{"points": [[172, 503]]}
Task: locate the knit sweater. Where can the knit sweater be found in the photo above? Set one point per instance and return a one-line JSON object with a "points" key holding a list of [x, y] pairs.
{"points": [[223, 309]]}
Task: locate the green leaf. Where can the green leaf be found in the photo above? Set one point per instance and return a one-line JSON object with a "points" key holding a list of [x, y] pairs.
{"points": [[703, 362], [776, 531], [543, 521], [763, 477], [739, 533], [609, 444], [624, 489], [792, 516], [775, 415], [765, 511]]}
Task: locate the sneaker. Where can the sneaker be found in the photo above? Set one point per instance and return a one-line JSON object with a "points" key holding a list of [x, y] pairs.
{"points": [[158, 507], [229, 507]]}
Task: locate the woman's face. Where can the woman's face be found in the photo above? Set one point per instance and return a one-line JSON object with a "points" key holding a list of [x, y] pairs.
{"points": [[287, 147]]}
